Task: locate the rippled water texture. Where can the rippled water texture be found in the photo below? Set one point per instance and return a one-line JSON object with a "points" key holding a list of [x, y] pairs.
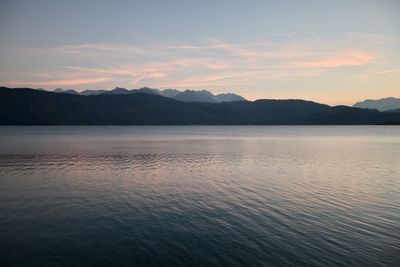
{"points": [[200, 196]]}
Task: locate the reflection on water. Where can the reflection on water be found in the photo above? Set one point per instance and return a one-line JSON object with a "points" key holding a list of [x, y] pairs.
{"points": [[195, 196]]}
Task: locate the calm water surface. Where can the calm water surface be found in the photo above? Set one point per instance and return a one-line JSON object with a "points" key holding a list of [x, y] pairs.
{"points": [[200, 196]]}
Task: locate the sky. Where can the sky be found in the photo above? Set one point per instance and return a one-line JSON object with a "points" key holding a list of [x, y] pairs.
{"points": [[333, 52]]}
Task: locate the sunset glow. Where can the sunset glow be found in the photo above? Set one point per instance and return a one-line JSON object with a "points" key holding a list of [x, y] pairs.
{"points": [[336, 63]]}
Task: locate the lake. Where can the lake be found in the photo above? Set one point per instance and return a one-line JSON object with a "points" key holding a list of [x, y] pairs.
{"points": [[200, 196]]}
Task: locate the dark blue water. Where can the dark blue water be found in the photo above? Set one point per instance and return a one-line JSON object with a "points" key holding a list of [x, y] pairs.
{"points": [[200, 196]]}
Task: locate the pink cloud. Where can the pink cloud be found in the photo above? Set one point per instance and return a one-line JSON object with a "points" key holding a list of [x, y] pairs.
{"points": [[99, 49], [135, 75], [155, 75], [209, 62], [342, 59], [66, 82], [41, 75]]}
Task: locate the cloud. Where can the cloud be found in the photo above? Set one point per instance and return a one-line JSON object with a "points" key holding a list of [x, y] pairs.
{"points": [[99, 49], [41, 75], [384, 72], [207, 62], [340, 59], [134, 74], [371, 39], [70, 82], [378, 73]]}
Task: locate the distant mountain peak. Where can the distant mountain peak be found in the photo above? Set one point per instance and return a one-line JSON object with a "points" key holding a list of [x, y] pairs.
{"points": [[229, 97], [24, 106], [170, 92], [117, 90], [66, 91], [196, 96], [383, 104], [93, 92], [186, 96], [145, 90]]}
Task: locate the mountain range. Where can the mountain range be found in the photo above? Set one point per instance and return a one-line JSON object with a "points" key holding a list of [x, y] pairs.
{"points": [[185, 96], [383, 104], [25, 106]]}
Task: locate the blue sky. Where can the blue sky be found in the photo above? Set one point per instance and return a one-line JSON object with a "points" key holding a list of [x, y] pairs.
{"points": [[336, 52]]}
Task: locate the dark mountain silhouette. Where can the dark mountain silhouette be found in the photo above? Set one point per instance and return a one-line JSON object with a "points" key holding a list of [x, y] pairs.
{"points": [[196, 96], [146, 90], [117, 91], [206, 96], [186, 96], [121, 91], [24, 106], [170, 92], [392, 111], [229, 97], [65, 91], [92, 92], [383, 104]]}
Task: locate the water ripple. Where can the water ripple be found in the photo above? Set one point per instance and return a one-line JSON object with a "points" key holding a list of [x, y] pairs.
{"points": [[196, 196]]}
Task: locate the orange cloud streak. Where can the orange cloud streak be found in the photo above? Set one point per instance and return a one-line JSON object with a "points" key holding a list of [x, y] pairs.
{"points": [[353, 58], [60, 82]]}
